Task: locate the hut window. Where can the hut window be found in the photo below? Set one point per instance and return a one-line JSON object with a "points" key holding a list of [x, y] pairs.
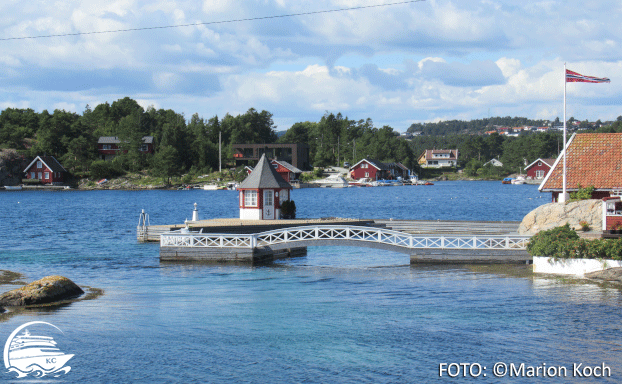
{"points": [[250, 198], [39, 164], [47, 175]]}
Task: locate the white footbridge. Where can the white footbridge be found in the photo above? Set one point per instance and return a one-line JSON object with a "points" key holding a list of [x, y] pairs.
{"points": [[344, 235]]}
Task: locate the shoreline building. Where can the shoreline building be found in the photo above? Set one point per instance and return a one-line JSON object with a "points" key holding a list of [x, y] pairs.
{"points": [[295, 154], [594, 159], [47, 170], [263, 192], [438, 158]]}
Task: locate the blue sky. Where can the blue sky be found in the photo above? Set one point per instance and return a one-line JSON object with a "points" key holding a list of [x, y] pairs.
{"points": [[423, 61]]}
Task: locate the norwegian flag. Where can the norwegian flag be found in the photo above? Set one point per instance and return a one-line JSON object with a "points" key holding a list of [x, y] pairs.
{"points": [[573, 77]]}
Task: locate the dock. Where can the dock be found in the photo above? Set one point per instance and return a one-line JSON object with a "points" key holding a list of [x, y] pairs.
{"points": [[151, 233], [259, 241]]}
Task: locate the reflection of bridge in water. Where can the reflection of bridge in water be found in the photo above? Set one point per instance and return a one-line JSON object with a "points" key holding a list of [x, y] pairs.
{"points": [[286, 242]]}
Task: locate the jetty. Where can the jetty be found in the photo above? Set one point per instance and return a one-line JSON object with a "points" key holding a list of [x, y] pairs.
{"points": [[257, 241]]}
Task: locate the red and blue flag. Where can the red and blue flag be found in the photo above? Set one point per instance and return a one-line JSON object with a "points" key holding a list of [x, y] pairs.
{"points": [[573, 77]]}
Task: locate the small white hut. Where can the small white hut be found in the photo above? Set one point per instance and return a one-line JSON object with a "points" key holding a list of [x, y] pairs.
{"points": [[262, 193]]}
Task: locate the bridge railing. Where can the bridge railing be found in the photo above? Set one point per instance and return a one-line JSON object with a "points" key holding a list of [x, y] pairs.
{"points": [[350, 233]]}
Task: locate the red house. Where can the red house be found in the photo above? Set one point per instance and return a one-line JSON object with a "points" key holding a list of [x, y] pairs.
{"points": [[263, 192], [539, 168], [369, 168], [594, 159], [287, 171], [108, 146], [46, 169]]}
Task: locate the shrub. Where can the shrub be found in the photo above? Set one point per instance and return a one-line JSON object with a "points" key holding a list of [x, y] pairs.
{"points": [[563, 242], [545, 243], [101, 169], [288, 209], [582, 193]]}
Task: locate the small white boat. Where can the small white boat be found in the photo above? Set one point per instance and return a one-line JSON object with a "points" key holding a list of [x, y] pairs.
{"points": [[519, 180], [362, 182], [210, 187], [333, 181], [13, 187]]}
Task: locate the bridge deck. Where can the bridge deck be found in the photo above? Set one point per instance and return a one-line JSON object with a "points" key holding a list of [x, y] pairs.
{"points": [[504, 248], [153, 232]]}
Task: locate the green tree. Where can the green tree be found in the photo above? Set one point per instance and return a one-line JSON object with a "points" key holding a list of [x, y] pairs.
{"points": [[165, 163]]}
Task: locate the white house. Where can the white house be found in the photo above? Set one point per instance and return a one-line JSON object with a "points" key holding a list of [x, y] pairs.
{"points": [[438, 158]]}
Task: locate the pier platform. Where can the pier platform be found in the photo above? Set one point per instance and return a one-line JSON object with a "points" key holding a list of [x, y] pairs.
{"points": [[151, 233]]}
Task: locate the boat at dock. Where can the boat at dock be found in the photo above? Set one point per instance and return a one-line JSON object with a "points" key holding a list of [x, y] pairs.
{"points": [[13, 187], [519, 180], [362, 182], [333, 181]]}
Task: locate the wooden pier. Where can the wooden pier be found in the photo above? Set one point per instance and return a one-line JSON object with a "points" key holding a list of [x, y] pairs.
{"points": [[186, 245], [151, 233]]}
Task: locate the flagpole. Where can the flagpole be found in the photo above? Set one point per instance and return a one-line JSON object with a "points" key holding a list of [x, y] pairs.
{"points": [[562, 199]]}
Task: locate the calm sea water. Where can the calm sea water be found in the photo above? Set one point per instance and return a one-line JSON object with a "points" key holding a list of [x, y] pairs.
{"points": [[343, 315]]}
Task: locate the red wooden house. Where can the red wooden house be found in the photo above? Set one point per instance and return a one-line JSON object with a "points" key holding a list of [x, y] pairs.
{"points": [[263, 192], [370, 168], [287, 171], [594, 159], [539, 168], [46, 169], [108, 146]]}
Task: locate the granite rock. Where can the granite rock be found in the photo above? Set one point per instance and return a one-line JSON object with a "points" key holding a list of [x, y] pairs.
{"points": [[47, 290], [557, 214]]}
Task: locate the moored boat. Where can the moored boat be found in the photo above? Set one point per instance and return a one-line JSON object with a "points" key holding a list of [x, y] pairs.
{"points": [[13, 187], [332, 181]]}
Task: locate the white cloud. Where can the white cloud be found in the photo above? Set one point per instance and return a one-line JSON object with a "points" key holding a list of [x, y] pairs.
{"points": [[416, 61]]}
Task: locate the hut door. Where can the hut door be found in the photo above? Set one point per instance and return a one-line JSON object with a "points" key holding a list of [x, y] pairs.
{"points": [[268, 204]]}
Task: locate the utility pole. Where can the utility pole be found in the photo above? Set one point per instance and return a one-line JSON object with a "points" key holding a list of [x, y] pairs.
{"points": [[219, 151], [338, 153]]}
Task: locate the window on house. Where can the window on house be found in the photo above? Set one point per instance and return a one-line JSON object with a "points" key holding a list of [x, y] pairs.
{"points": [[366, 174], [39, 174], [250, 198], [39, 164], [539, 174], [32, 175], [539, 163], [617, 192], [47, 175], [144, 148]]}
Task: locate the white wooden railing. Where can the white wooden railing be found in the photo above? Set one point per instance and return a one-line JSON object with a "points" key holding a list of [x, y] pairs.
{"points": [[348, 234]]}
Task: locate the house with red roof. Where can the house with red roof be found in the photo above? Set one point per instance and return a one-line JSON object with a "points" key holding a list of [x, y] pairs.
{"points": [[438, 158], [594, 159], [538, 169], [46, 169]]}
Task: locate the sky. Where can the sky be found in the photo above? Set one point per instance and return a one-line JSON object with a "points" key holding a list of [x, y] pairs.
{"points": [[423, 61]]}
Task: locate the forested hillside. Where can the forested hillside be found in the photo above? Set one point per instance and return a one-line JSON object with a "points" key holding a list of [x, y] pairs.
{"points": [[472, 127], [183, 145], [336, 139]]}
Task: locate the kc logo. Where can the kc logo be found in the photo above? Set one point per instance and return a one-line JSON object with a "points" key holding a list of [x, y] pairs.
{"points": [[36, 355]]}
